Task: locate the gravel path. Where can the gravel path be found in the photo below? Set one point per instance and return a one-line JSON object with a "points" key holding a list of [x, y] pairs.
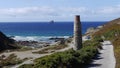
{"points": [[106, 57]]}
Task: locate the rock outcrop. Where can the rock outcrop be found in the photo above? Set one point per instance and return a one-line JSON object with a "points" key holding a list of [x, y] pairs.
{"points": [[6, 42], [90, 30]]}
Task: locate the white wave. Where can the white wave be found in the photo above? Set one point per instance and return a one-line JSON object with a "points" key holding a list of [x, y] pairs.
{"points": [[36, 38]]}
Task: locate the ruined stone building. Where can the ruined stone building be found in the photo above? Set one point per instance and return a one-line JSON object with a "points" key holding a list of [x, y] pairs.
{"points": [[77, 33]]}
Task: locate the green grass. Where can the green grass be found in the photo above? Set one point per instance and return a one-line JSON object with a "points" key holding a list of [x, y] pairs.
{"points": [[27, 66]]}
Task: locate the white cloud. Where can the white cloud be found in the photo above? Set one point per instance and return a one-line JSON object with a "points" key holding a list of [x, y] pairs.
{"points": [[109, 10], [26, 11], [74, 10], [60, 13], [49, 11]]}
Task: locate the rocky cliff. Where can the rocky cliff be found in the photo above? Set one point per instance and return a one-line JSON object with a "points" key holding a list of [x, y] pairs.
{"points": [[6, 42]]}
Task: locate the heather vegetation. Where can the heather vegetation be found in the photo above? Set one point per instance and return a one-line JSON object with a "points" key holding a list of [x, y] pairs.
{"points": [[116, 44], [109, 32], [67, 59]]}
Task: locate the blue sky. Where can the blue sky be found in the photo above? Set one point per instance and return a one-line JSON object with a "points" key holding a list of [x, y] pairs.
{"points": [[58, 10]]}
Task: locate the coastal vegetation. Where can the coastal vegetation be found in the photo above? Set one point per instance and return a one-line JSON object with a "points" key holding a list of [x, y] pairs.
{"points": [[22, 48], [67, 59], [10, 60], [51, 49], [116, 44], [111, 31]]}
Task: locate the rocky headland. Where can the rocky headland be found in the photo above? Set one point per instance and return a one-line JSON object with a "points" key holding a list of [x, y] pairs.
{"points": [[6, 42]]}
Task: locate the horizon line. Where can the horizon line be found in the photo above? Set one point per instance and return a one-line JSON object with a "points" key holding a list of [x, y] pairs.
{"points": [[45, 21]]}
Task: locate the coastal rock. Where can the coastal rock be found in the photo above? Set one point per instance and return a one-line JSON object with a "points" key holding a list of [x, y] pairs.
{"points": [[90, 30], [99, 27], [33, 44], [56, 39], [116, 21], [6, 42]]}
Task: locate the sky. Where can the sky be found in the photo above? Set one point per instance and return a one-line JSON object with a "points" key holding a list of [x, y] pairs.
{"points": [[58, 10]]}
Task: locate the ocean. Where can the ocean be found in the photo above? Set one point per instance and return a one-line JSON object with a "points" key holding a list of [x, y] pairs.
{"points": [[39, 31]]}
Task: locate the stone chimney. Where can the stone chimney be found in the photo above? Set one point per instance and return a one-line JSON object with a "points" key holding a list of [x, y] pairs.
{"points": [[77, 33]]}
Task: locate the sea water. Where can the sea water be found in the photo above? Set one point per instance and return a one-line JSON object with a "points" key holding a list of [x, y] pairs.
{"points": [[39, 31]]}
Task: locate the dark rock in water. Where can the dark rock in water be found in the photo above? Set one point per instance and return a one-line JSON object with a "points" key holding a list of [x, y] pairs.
{"points": [[12, 37], [6, 42], [56, 39], [52, 21]]}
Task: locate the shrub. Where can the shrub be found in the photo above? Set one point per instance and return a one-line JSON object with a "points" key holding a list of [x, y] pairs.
{"points": [[10, 60], [26, 66]]}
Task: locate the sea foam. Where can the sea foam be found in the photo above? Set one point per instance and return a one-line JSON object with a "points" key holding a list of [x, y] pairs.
{"points": [[36, 38]]}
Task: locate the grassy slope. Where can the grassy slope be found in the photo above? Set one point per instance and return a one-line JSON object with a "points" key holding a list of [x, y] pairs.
{"points": [[109, 31]]}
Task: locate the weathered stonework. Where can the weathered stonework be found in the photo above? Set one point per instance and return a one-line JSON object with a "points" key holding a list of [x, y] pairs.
{"points": [[77, 33]]}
